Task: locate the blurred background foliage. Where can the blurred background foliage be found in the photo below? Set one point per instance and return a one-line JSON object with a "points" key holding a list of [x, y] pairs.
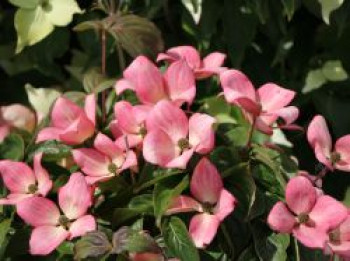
{"points": [[302, 45]]}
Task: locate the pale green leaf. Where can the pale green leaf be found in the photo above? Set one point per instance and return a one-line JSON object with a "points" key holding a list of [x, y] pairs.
{"points": [[289, 8], [328, 6], [32, 26], [61, 12], [30, 4], [279, 138], [41, 99], [314, 80], [334, 71], [330, 71], [195, 8]]}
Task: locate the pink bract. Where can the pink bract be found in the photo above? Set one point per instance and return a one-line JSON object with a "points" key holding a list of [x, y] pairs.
{"points": [[105, 160], [69, 123], [15, 116], [339, 240], [306, 214], [209, 198], [172, 138], [262, 107], [50, 227], [210, 65], [320, 140], [142, 76], [23, 182], [129, 126]]}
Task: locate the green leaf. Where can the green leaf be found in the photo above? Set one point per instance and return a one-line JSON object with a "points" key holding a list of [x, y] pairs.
{"points": [[137, 35], [269, 245], [333, 71], [195, 8], [95, 82], [289, 8], [140, 241], [122, 215], [314, 80], [5, 227], [60, 12], [312, 254], [242, 185], [53, 150], [32, 26], [328, 6], [248, 255], [178, 241], [238, 37], [88, 25], [279, 138], [119, 240], [93, 244], [25, 3], [131, 240], [221, 110], [41, 99], [269, 173], [66, 248], [151, 176], [12, 147], [164, 193], [142, 203]]}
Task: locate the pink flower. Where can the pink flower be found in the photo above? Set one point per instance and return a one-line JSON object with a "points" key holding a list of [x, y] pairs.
{"points": [[105, 161], [321, 141], [339, 239], [315, 180], [15, 116], [306, 214], [69, 123], [142, 76], [172, 138], [22, 181], [129, 126], [211, 64], [51, 227], [210, 199], [262, 107]]}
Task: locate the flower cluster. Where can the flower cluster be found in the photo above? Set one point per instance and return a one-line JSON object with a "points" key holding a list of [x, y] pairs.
{"points": [[316, 220], [162, 130]]}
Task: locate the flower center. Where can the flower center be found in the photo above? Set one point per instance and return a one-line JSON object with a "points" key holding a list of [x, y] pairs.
{"points": [[45, 5], [143, 131], [112, 168], [207, 207], [32, 189], [334, 236], [303, 218], [335, 157], [184, 144], [64, 221]]}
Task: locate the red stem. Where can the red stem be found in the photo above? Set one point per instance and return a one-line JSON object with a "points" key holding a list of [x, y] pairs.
{"points": [[103, 70]]}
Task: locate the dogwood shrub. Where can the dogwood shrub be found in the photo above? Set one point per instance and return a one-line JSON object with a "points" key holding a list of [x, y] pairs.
{"points": [[179, 157], [135, 181]]}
